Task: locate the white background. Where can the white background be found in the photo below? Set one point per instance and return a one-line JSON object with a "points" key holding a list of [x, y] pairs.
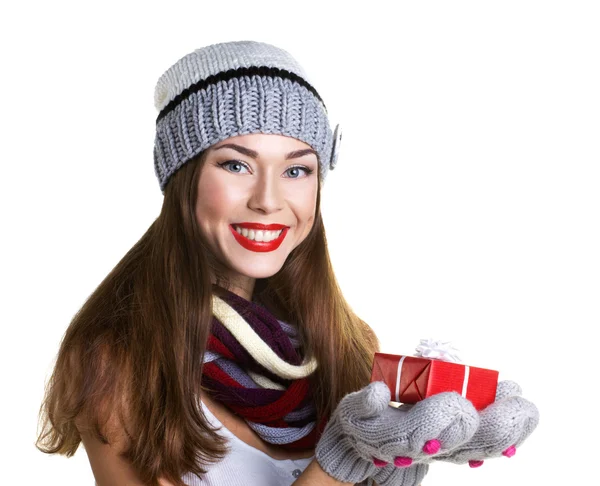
{"points": [[464, 206]]}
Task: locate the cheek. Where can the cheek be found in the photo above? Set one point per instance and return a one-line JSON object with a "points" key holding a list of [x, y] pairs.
{"points": [[215, 200], [308, 223], [309, 206], [313, 206], [304, 197]]}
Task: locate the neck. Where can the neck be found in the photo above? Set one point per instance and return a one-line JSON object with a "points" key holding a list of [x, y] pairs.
{"points": [[242, 289]]}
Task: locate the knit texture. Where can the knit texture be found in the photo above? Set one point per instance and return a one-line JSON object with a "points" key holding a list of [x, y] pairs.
{"points": [[218, 58], [237, 88], [366, 437], [254, 366], [504, 426]]}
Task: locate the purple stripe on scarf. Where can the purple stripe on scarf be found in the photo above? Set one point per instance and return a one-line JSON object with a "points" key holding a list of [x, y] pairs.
{"points": [[243, 397], [242, 357], [283, 339], [242, 377], [265, 325]]}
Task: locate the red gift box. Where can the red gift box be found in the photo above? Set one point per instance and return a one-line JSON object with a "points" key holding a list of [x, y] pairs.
{"points": [[412, 378]]}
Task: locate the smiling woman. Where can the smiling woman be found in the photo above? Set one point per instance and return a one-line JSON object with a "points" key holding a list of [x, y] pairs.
{"points": [[220, 344], [220, 349], [260, 201]]}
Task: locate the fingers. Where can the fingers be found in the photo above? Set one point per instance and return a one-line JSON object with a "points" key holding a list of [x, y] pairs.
{"points": [[506, 424], [507, 389], [437, 424], [443, 421], [504, 427]]}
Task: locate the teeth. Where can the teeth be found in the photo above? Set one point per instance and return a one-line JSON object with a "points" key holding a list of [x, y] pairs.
{"points": [[258, 235]]}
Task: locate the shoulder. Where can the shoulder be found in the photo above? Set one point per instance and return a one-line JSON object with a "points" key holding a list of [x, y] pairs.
{"points": [[106, 453]]}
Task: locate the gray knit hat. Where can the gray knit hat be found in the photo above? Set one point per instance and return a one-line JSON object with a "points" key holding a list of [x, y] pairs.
{"points": [[236, 88]]}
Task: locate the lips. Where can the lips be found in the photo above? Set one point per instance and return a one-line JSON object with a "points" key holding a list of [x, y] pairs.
{"points": [[259, 226], [259, 246]]}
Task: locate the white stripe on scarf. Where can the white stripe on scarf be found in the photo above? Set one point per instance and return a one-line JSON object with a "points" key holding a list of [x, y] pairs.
{"points": [[257, 348]]}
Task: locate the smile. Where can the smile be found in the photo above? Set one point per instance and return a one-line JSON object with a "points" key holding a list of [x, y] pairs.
{"points": [[258, 240], [258, 235]]}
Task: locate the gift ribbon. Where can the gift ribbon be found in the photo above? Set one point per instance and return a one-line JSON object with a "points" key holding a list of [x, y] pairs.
{"points": [[399, 377], [465, 382], [430, 348]]}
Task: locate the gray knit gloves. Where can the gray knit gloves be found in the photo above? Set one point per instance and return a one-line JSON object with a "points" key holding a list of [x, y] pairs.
{"points": [[503, 426], [367, 438]]}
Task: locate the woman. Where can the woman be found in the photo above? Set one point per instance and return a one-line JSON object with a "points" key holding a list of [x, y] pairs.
{"points": [[220, 347]]}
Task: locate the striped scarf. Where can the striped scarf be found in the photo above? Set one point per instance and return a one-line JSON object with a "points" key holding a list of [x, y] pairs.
{"points": [[252, 365]]}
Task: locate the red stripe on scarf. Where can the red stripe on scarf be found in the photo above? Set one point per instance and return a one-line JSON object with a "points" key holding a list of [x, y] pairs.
{"points": [[218, 347], [212, 370], [290, 399]]}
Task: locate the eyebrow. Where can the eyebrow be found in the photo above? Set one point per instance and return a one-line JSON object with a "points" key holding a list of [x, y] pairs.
{"points": [[252, 153]]}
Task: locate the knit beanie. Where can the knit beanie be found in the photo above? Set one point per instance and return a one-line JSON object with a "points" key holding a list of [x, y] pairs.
{"points": [[237, 88]]}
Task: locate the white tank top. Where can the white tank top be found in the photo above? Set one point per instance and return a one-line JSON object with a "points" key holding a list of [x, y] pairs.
{"points": [[246, 465]]}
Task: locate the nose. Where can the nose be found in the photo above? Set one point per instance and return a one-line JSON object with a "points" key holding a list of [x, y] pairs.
{"points": [[267, 194]]}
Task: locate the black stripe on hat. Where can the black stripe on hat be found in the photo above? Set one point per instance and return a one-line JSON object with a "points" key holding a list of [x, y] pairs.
{"points": [[236, 73]]}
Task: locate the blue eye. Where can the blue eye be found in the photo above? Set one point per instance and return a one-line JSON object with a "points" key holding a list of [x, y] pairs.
{"points": [[233, 162], [239, 163], [306, 170]]}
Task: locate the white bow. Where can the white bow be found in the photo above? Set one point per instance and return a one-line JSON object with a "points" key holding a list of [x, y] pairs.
{"points": [[429, 348]]}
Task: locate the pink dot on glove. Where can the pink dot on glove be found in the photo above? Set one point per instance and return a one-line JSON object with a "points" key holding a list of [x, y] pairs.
{"points": [[379, 462], [402, 461], [511, 451], [475, 463], [431, 446]]}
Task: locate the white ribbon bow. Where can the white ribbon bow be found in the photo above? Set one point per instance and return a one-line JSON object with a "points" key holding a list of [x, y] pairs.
{"points": [[432, 349]]}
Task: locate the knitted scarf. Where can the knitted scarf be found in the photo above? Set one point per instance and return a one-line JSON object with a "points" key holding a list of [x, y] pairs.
{"points": [[253, 366]]}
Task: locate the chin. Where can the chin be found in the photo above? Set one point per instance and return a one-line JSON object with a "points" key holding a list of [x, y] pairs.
{"points": [[258, 271]]}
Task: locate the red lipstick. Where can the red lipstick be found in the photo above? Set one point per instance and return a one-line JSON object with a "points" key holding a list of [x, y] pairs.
{"points": [[259, 246]]}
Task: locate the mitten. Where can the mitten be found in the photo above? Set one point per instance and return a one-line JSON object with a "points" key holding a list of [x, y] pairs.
{"points": [[366, 437], [503, 426]]}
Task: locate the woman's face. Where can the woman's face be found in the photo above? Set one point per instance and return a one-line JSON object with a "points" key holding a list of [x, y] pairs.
{"points": [[252, 180]]}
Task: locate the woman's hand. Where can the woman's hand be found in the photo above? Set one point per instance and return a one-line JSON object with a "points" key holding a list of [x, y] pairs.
{"points": [[504, 426], [366, 437]]}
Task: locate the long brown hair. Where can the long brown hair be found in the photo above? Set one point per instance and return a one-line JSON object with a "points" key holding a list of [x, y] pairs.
{"points": [[134, 351]]}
